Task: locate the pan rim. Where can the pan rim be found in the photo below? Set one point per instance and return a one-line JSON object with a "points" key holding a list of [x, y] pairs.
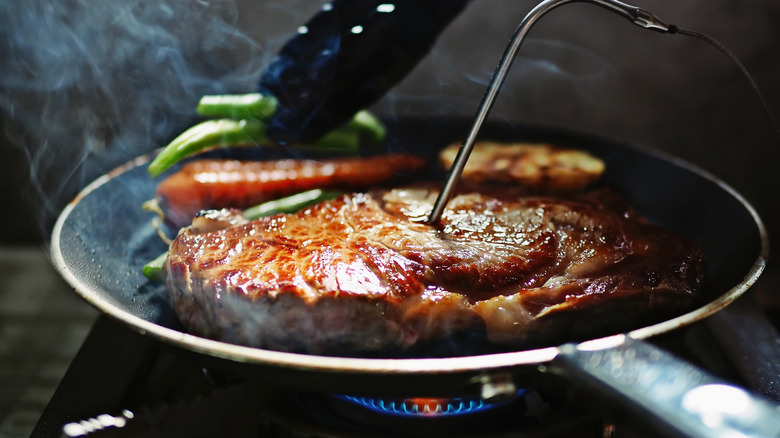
{"points": [[439, 365]]}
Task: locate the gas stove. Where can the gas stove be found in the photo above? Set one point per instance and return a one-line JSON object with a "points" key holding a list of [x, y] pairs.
{"points": [[124, 384]]}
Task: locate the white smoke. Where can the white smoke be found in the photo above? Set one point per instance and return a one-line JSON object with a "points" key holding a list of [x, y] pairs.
{"points": [[88, 84]]}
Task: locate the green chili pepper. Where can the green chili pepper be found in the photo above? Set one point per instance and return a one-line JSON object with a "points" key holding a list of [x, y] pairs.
{"points": [[347, 139], [289, 204], [366, 123], [237, 106], [342, 141], [153, 269], [228, 132], [242, 125], [205, 135]]}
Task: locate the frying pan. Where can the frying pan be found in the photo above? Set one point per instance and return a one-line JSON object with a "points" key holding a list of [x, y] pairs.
{"points": [[102, 239]]}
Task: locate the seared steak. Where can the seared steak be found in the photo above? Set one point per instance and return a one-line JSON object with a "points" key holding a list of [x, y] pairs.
{"points": [[365, 273]]}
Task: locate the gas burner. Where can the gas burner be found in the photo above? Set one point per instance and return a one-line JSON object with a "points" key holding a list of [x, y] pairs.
{"points": [[525, 414], [171, 395], [426, 406]]}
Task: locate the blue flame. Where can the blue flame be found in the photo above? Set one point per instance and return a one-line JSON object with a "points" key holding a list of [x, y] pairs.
{"points": [[425, 407]]}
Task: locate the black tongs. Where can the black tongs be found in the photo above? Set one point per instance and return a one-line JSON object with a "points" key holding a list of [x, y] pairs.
{"points": [[636, 15]]}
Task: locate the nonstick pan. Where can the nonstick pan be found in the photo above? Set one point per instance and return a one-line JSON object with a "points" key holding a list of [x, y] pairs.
{"points": [[103, 238]]}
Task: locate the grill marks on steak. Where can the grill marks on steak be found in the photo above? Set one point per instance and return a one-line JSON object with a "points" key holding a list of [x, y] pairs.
{"points": [[364, 272]]}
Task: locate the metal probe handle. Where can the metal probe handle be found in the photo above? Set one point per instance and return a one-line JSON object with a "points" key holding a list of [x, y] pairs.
{"points": [[636, 15]]}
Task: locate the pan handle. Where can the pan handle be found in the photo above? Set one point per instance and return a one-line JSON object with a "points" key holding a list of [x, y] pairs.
{"points": [[679, 398]]}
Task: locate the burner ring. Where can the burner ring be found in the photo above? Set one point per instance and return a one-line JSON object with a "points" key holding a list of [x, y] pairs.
{"points": [[426, 406]]}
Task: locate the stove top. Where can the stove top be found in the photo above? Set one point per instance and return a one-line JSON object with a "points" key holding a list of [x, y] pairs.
{"points": [[124, 384]]}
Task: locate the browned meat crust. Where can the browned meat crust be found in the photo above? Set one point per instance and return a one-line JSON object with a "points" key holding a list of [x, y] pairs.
{"points": [[364, 273]]}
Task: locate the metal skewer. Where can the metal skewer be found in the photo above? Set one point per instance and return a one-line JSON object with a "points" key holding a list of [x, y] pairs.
{"points": [[636, 15]]}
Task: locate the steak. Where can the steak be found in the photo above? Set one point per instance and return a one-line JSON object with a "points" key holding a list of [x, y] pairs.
{"points": [[365, 273]]}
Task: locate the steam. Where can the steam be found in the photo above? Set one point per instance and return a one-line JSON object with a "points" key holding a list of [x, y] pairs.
{"points": [[89, 84], [547, 74], [547, 63]]}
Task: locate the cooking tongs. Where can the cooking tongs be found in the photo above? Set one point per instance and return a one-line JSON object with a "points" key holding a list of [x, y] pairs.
{"points": [[636, 15]]}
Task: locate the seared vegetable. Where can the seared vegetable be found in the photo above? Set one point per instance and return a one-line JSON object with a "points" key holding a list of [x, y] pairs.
{"points": [[538, 166], [217, 183], [289, 204], [345, 58]]}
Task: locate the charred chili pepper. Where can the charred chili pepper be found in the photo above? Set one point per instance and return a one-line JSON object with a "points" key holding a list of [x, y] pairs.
{"points": [[288, 204], [345, 58]]}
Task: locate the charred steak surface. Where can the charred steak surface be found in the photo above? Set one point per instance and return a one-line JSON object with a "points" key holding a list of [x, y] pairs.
{"points": [[365, 273]]}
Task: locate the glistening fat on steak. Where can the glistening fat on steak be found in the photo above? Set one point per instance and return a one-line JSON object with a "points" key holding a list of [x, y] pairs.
{"points": [[365, 273]]}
